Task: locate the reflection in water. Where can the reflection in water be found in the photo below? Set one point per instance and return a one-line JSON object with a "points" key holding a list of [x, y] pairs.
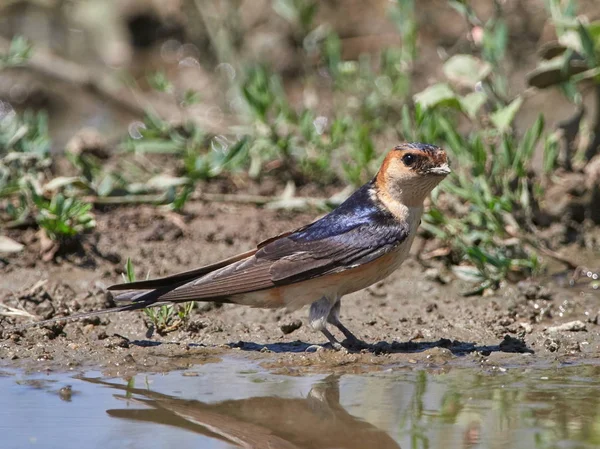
{"points": [[219, 406], [317, 421]]}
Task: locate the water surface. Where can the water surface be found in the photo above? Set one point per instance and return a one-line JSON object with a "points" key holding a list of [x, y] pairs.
{"points": [[233, 404]]}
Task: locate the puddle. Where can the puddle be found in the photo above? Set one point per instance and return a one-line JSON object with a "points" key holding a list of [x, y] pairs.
{"points": [[228, 405]]}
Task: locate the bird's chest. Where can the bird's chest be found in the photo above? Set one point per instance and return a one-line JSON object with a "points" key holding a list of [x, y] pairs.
{"points": [[361, 277]]}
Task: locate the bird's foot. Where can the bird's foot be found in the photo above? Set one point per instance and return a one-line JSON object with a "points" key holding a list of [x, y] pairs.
{"points": [[315, 348], [352, 342], [336, 346]]}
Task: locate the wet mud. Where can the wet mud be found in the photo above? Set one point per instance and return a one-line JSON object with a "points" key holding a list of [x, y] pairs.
{"points": [[417, 317]]}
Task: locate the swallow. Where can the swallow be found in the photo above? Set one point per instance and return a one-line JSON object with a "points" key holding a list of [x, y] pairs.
{"points": [[359, 243]]}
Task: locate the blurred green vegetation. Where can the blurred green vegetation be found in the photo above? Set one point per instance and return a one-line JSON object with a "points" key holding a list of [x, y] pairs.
{"points": [[484, 214]]}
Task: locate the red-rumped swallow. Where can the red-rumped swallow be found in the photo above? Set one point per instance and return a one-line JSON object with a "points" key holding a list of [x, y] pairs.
{"points": [[356, 245]]}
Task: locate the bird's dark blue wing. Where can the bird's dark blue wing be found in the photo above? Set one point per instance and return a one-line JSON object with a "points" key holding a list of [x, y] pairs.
{"points": [[357, 232], [359, 209]]}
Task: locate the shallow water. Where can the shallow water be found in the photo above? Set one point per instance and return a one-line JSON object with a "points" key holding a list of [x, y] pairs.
{"points": [[234, 404]]}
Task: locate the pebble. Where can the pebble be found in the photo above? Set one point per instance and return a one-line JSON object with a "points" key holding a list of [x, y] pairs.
{"points": [[288, 328], [66, 393], [438, 355], [528, 328], [378, 290], [116, 341], [571, 326], [552, 345], [436, 275]]}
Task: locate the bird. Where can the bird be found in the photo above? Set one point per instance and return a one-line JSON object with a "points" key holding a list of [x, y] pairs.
{"points": [[359, 243]]}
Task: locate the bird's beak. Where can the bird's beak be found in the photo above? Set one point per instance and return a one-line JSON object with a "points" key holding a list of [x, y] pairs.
{"points": [[441, 170]]}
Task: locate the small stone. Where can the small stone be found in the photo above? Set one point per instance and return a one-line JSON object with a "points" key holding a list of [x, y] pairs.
{"points": [[432, 274], [65, 393], [488, 293], [506, 321], [530, 292], [116, 341], [377, 290], [528, 328], [417, 336], [552, 345], [438, 355], [431, 307], [102, 335], [436, 275], [10, 246], [195, 326], [571, 326], [545, 294], [533, 291], [288, 328]]}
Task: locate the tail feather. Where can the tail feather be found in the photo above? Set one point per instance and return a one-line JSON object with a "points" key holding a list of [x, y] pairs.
{"points": [[144, 294], [136, 301], [146, 297], [79, 316]]}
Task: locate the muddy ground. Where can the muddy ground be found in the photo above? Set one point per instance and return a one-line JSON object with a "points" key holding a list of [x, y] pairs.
{"points": [[416, 316]]}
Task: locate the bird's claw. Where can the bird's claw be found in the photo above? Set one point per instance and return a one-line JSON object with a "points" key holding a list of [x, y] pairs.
{"points": [[336, 346], [315, 348]]}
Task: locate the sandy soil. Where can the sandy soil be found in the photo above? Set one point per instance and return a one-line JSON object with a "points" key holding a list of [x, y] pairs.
{"points": [[416, 316]]}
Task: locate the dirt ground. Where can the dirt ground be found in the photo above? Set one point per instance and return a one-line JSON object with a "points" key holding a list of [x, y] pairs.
{"points": [[416, 316]]}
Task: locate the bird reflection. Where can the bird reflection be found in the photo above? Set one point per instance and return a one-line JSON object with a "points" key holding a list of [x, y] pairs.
{"points": [[317, 421]]}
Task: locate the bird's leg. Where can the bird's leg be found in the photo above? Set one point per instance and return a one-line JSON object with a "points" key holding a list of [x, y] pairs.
{"points": [[334, 318], [317, 316], [334, 341]]}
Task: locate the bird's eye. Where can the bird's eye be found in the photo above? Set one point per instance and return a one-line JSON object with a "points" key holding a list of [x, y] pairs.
{"points": [[409, 159]]}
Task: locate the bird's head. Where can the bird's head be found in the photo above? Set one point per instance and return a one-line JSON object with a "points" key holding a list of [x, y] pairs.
{"points": [[410, 172]]}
